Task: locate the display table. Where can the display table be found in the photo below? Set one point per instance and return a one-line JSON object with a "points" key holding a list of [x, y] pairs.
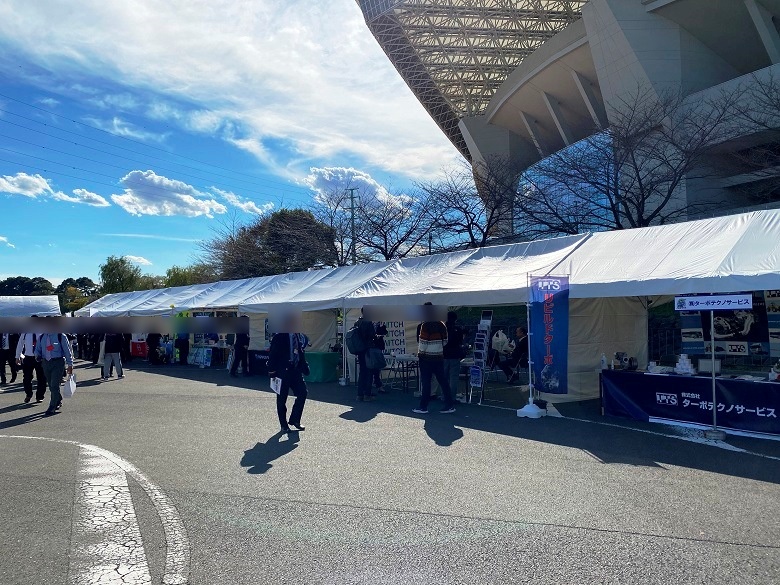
{"points": [[323, 366], [742, 405], [208, 356]]}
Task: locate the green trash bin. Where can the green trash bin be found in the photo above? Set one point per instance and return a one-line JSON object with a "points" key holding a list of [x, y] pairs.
{"points": [[323, 366]]}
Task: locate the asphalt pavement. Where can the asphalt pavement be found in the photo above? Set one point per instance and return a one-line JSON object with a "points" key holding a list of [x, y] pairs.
{"points": [[179, 475]]}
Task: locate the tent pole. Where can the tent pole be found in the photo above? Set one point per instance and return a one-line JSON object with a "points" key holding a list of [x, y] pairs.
{"points": [[344, 360]]}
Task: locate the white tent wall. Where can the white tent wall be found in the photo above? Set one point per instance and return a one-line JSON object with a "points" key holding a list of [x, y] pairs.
{"points": [[319, 326], [603, 326], [11, 306]]}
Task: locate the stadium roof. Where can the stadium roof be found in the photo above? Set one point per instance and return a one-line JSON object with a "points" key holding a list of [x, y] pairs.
{"points": [[454, 54]]}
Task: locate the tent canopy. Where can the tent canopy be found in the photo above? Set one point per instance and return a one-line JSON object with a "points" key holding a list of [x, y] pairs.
{"points": [[723, 254], [43, 305]]}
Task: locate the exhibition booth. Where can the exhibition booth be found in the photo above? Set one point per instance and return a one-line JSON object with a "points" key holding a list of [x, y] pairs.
{"points": [[613, 278]]}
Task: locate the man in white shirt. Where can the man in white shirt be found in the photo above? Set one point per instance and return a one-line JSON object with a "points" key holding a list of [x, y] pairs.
{"points": [[25, 357]]}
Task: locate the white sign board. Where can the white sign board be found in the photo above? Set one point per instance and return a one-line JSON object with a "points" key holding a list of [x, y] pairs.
{"points": [[714, 303]]}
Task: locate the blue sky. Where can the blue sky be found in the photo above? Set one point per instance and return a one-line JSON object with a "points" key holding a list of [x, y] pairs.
{"points": [[133, 128]]}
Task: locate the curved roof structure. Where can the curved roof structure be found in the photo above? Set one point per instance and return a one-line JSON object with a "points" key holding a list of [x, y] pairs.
{"points": [[454, 54]]}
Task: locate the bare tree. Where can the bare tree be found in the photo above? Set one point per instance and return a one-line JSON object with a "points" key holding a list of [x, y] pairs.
{"points": [[333, 209], [394, 225], [633, 173], [468, 207]]}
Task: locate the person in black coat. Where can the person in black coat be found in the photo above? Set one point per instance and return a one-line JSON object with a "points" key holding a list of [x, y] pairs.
{"points": [[153, 344], [287, 361], [8, 343], [240, 354]]}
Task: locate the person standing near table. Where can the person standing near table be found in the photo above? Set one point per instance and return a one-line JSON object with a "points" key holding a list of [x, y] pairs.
{"points": [[367, 334], [53, 352], [430, 353], [25, 357], [8, 343], [287, 361], [453, 351], [240, 354]]}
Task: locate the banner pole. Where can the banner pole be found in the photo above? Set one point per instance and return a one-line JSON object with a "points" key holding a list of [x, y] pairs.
{"points": [[530, 362], [714, 400]]}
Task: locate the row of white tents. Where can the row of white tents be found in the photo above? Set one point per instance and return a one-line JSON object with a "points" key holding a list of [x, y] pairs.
{"points": [[613, 277]]}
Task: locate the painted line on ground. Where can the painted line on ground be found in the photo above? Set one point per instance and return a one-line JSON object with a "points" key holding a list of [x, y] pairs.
{"points": [[177, 557], [106, 542]]}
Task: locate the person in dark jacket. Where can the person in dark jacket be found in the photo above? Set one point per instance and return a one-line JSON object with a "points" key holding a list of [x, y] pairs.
{"points": [[367, 334], [112, 355], [153, 344], [240, 354], [379, 343], [453, 351], [287, 361], [519, 356], [8, 343]]}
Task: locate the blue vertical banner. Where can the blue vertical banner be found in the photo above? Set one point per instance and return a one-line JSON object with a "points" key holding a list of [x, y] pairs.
{"points": [[549, 311]]}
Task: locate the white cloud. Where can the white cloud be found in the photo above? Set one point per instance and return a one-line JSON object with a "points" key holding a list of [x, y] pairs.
{"points": [[243, 204], [325, 180], [147, 193], [140, 260], [35, 186], [83, 196], [49, 102], [123, 128], [4, 240], [305, 74]]}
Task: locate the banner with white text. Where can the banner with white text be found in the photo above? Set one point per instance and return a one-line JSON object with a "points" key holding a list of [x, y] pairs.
{"points": [[550, 332]]}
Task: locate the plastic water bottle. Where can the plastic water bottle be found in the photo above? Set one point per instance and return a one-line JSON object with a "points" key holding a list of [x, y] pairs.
{"points": [[603, 361]]}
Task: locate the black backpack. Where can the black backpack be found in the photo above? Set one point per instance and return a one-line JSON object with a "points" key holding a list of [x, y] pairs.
{"points": [[356, 339]]}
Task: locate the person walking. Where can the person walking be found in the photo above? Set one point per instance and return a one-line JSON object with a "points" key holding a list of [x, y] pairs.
{"points": [[430, 355], [287, 361], [453, 352], [112, 355], [53, 351], [240, 354], [8, 343], [25, 358]]}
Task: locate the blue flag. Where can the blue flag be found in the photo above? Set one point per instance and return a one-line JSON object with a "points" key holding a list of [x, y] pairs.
{"points": [[550, 333]]}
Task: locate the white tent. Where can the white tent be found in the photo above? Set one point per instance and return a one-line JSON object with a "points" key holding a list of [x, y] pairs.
{"points": [[612, 275], [44, 305]]}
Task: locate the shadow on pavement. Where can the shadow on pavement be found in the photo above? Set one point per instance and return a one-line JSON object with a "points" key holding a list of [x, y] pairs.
{"points": [[258, 458], [442, 432], [616, 444], [23, 420]]}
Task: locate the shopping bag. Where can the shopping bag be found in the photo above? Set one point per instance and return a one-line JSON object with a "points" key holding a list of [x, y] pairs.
{"points": [[102, 355], [499, 341], [69, 387], [230, 359], [276, 385], [375, 359]]}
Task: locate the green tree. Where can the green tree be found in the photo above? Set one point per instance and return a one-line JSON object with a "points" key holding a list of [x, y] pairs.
{"points": [[23, 286], [288, 240], [150, 281], [118, 274], [198, 273]]}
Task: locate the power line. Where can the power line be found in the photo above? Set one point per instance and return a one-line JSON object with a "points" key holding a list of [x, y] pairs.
{"points": [[285, 184], [123, 168]]}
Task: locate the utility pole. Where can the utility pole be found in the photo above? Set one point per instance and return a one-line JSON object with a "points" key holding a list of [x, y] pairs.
{"points": [[352, 210]]}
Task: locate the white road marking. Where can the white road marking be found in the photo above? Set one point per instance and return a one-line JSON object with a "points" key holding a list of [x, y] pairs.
{"points": [[177, 558], [106, 543]]}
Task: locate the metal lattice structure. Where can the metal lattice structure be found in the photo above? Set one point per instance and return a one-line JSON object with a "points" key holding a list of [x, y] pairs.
{"points": [[455, 54]]}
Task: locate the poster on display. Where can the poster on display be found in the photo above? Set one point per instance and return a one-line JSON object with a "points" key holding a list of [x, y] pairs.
{"points": [[395, 340], [738, 332], [549, 296], [772, 298]]}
